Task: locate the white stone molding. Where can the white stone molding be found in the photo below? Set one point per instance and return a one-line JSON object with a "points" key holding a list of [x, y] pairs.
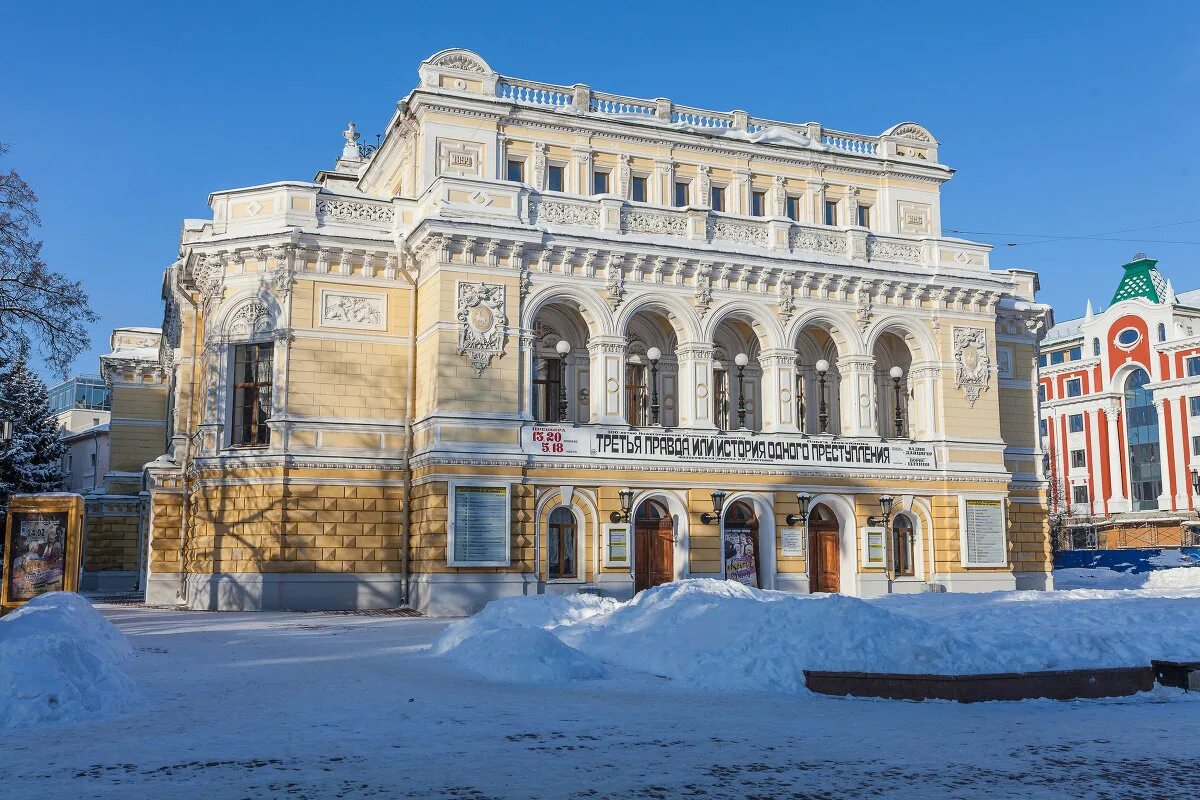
{"points": [[360, 310], [972, 364], [482, 323]]}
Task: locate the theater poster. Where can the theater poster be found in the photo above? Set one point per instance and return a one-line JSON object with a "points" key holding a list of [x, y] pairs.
{"points": [[741, 555], [41, 547]]}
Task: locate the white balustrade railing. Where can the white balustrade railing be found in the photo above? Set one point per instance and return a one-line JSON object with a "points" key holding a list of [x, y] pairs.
{"points": [[615, 104], [698, 118], [528, 93], [848, 143]]}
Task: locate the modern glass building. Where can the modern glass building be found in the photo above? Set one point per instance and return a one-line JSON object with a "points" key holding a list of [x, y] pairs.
{"points": [[81, 391]]}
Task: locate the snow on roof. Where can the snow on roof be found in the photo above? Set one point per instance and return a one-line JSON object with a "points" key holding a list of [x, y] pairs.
{"points": [[138, 329], [134, 354], [1062, 331]]}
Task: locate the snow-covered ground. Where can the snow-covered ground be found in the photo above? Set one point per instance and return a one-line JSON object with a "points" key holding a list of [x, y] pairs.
{"points": [[325, 706]]}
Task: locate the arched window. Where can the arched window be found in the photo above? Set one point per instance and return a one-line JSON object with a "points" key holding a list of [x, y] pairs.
{"points": [[1096, 347], [903, 564], [1145, 462], [562, 545], [1162, 332]]}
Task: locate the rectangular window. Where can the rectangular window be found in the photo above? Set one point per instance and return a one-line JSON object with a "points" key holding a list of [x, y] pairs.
{"points": [[1075, 387], [758, 204], [1059, 357], [716, 196], [637, 399], [1075, 423], [1193, 366], [1079, 495], [547, 390], [599, 182], [864, 216], [793, 208], [516, 170], [1196, 445], [1042, 360], [831, 214], [252, 372], [683, 194], [1194, 406], [638, 188], [1041, 392], [554, 178], [1043, 427], [1078, 458], [1076, 354]]}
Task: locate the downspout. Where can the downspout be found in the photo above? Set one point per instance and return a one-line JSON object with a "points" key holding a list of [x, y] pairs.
{"points": [[186, 510], [409, 410]]}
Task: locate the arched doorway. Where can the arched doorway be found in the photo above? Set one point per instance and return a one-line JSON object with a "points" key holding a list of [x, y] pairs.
{"points": [[824, 552], [654, 543], [743, 559], [1145, 462]]}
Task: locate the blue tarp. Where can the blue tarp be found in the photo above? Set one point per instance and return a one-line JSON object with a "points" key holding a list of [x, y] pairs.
{"points": [[1131, 560]]}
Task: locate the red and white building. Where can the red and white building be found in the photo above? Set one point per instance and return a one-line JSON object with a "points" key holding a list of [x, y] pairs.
{"points": [[1119, 394]]}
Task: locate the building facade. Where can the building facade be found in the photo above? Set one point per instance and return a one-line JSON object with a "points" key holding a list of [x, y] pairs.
{"points": [[1120, 414], [81, 406], [549, 339]]}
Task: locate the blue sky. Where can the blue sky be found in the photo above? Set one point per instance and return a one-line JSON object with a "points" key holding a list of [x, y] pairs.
{"points": [[1062, 119]]}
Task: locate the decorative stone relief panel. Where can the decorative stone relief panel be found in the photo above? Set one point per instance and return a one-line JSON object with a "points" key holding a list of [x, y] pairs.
{"points": [[972, 365], [818, 242], [895, 252], [642, 221], [549, 212], [459, 158], [740, 232], [914, 218], [355, 212], [250, 318], [341, 309], [481, 323]]}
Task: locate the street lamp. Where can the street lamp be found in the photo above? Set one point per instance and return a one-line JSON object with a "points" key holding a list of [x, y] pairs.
{"points": [[563, 347], [626, 496], [654, 354], [1196, 481], [802, 500], [885, 504], [897, 373], [822, 367], [741, 360], [718, 501]]}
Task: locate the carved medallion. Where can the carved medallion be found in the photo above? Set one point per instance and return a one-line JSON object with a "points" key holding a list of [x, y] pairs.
{"points": [[481, 321], [972, 365]]}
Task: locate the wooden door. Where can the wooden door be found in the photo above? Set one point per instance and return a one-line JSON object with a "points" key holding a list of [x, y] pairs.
{"points": [[654, 556], [825, 569]]}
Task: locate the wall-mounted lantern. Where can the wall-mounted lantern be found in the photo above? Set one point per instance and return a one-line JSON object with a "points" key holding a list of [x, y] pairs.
{"points": [[718, 501], [802, 500], [885, 504], [626, 507]]}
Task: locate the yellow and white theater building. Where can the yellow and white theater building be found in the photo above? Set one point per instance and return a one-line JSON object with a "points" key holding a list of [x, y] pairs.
{"points": [[547, 339]]}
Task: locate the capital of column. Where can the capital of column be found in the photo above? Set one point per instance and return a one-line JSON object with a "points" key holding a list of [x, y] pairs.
{"points": [[778, 357], [695, 350], [606, 343]]}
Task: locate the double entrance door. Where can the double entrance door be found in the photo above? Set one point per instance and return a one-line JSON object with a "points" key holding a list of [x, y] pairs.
{"points": [[654, 546], [824, 570]]}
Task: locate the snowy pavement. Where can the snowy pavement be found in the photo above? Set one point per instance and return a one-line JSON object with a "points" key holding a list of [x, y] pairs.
{"points": [[317, 706]]}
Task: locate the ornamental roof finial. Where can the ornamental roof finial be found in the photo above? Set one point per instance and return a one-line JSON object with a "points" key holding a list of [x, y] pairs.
{"points": [[350, 149]]}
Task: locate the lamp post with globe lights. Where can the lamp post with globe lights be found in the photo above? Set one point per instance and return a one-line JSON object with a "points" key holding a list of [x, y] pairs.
{"points": [[741, 360], [563, 347], [822, 367], [654, 354], [897, 373]]}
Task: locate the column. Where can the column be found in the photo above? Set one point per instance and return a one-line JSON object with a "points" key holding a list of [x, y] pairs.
{"points": [[817, 190], [665, 180], [739, 202], [1183, 457], [858, 395], [1163, 409], [606, 360], [778, 404], [527, 368], [1095, 474], [695, 402], [1112, 412], [923, 421]]}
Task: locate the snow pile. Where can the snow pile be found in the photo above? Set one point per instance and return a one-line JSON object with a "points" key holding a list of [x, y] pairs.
{"points": [[522, 655], [721, 635], [509, 640], [1185, 579], [712, 634], [60, 662]]}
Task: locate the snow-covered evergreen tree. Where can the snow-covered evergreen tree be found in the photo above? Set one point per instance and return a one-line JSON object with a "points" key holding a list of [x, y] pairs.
{"points": [[32, 460]]}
